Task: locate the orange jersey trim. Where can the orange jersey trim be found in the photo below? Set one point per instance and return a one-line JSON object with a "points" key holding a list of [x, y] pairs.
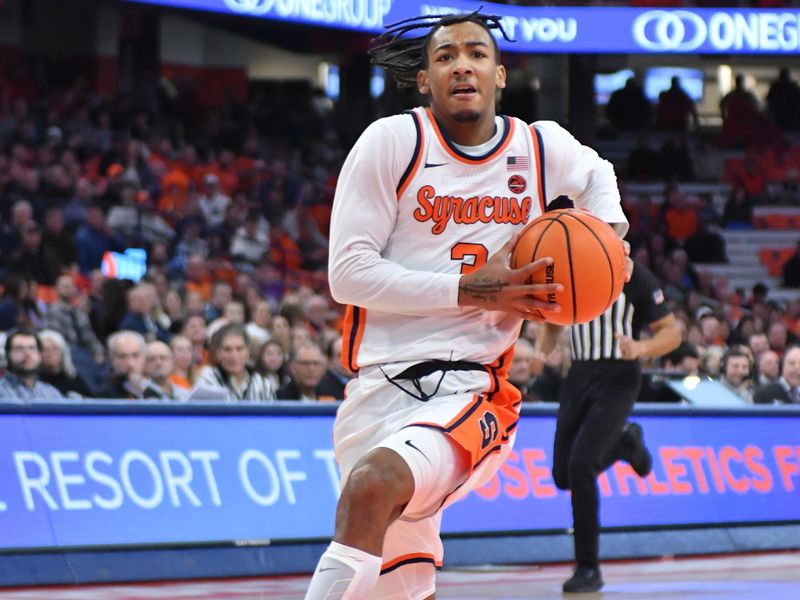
{"points": [[416, 157], [355, 320], [407, 559], [538, 150], [508, 134]]}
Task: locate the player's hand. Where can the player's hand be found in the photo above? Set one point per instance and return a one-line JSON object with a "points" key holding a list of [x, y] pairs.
{"points": [[629, 348], [496, 286]]}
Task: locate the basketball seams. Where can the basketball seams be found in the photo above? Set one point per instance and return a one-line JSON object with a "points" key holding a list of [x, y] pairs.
{"points": [[571, 270], [551, 222], [605, 252]]}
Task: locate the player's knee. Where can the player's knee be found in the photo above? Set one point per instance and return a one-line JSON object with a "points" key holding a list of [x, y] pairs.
{"points": [[375, 484]]}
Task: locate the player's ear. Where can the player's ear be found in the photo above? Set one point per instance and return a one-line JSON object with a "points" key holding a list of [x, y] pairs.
{"points": [[422, 82], [500, 77]]}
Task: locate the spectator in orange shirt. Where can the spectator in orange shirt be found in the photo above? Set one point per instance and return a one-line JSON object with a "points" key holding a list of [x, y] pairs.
{"points": [[681, 218]]}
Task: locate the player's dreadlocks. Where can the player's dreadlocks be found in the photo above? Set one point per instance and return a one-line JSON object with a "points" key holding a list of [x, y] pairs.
{"points": [[403, 57]]}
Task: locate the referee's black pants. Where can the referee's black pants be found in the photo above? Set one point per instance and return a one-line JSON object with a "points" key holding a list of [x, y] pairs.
{"points": [[596, 398]]}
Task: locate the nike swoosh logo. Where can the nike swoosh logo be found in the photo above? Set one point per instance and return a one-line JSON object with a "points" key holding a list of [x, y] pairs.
{"points": [[432, 165], [411, 445], [328, 569]]}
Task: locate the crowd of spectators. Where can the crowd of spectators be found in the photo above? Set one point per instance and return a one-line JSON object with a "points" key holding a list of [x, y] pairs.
{"points": [[232, 206], [233, 214]]}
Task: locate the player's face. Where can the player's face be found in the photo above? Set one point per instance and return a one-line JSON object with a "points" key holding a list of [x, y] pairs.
{"points": [[462, 74]]}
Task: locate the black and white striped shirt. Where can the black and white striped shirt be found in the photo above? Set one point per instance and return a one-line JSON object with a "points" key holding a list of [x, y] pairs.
{"points": [[640, 303], [212, 383]]}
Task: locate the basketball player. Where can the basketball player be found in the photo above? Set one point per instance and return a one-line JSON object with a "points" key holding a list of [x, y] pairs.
{"points": [[596, 399], [424, 220]]}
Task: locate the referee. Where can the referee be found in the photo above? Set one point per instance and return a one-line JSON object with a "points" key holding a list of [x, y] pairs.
{"points": [[596, 399]]}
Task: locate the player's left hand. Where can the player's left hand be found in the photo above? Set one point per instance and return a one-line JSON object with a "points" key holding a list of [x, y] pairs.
{"points": [[629, 348]]}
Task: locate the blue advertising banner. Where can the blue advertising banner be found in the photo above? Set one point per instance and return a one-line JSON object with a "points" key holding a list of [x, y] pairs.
{"points": [[551, 29], [71, 480]]}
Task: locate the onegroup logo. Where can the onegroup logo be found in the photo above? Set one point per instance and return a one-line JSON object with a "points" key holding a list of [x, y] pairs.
{"points": [[717, 31], [250, 7], [670, 31], [357, 14]]}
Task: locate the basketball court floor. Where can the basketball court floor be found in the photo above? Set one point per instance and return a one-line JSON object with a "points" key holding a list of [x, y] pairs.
{"points": [[774, 576]]}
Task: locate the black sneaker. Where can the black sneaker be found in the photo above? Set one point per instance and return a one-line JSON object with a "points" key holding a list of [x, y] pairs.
{"points": [[637, 453], [584, 580]]}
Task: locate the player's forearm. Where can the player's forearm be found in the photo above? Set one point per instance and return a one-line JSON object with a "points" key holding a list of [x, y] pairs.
{"points": [[365, 279]]}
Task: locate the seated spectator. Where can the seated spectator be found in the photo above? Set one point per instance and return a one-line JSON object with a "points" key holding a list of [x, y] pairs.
{"points": [[675, 159], [778, 336], [337, 375], [271, 363], [675, 108], [234, 312], [56, 240], [758, 343], [705, 245], [141, 300], [258, 327], [791, 270], [684, 360], [214, 203], [520, 373], [126, 352], [57, 368], [305, 233], [94, 239], [737, 372], [548, 375], [787, 389], [21, 381], [251, 241], [227, 376], [159, 368], [768, 367], [183, 374], [33, 261], [71, 321], [738, 213], [196, 331], [628, 108], [679, 215], [643, 161], [711, 361], [709, 162], [306, 368], [221, 295]]}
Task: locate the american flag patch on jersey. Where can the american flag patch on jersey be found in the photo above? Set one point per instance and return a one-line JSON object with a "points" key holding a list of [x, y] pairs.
{"points": [[658, 296], [516, 163]]}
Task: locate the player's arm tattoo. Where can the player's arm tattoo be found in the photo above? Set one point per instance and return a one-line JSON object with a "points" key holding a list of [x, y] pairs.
{"points": [[484, 289]]}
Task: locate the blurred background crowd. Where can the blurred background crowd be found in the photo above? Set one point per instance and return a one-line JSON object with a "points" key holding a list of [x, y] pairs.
{"points": [[232, 205]]}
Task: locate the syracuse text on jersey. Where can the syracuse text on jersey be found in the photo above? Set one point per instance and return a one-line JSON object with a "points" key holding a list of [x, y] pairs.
{"points": [[441, 209]]}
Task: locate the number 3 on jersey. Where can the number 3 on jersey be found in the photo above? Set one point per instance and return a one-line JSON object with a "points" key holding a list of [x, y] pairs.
{"points": [[474, 256]]}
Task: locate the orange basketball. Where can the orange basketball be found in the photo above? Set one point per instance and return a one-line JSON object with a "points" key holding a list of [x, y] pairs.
{"points": [[588, 260]]}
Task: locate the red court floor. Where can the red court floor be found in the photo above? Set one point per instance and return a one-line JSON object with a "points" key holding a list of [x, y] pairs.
{"points": [[774, 576]]}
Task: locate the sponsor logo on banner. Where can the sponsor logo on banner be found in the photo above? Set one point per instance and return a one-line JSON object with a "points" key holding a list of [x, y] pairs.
{"points": [[684, 31], [353, 13]]}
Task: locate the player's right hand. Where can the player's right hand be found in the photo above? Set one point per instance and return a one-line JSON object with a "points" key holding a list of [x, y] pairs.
{"points": [[496, 286]]}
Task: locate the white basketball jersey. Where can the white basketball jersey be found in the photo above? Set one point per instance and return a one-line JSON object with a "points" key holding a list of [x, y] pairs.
{"points": [[413, 213]]}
